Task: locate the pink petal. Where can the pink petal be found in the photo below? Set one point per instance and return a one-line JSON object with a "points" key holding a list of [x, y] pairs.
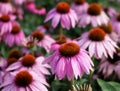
{"points": [[56, 20], [60, 68]]}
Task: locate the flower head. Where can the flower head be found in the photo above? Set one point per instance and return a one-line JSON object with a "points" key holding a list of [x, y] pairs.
{"points": [[23, 80], [70, 60], [109, 31], [39, 10], [6, 23], [98, 43], [19, 2], [31, 63], [111, 12], [116, 23], [5, 7], [16, 35], [14, 54], [64, 14], [110, 65], [80, 6], [44, 41], [94, 16]]}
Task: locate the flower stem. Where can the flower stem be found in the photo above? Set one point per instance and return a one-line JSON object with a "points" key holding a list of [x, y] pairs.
{"points": [[61, 31]]}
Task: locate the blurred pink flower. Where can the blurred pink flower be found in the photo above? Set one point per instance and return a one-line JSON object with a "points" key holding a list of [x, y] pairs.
{"points": [[30, 5], [98, 43], [18, 12], [80, 6], [109, 31], [115, 21], [2, 68], [25, 50], [0, 37], [64, 14], [60, 39], [6, 23], [69, 60], [44, 40], [94, 16], [110, 11], [15, 37], [39, 10], [23, 80], [109, 66], [31, 63], [19, 2], [5, 6], [43, 28]]}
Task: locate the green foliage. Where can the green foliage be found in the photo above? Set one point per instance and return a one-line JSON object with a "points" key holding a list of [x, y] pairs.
{"points": [[108, 86]]}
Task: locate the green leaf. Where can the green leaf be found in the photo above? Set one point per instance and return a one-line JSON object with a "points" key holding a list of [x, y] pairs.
{"points": [[105, 86], [115, 85]]}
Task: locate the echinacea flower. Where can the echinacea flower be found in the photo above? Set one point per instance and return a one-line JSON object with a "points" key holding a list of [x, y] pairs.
{"points": [[19, 2], [108, 66], [60, 39], [6, 23], [94, 16], [15, 53], [2, 68], [23, 80], [39, 10], [64, 14], [31, 63], [29, 5], [115, 21], [18, 12], [13, 57], [43, 28], [44, 40], [98, 43], [109, 31], [70, 60], [5, 6], [15, 37], [80, 6], [111, 12]]}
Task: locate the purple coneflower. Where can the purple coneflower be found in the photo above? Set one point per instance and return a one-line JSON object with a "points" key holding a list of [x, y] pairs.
{"points": [[94, 16], [15, 37], [6, 23], [29, 5], [19, 2], [43, 28], [5, 6], [98, 43], [116, 23], [108, 66], [23, 81], [60, 39], [70, 60], [39, 10], [109, 31], [2, 68], [44, 40], [31, 63], [80, 6], [18, 12], [111, 12], [64, 14]]}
